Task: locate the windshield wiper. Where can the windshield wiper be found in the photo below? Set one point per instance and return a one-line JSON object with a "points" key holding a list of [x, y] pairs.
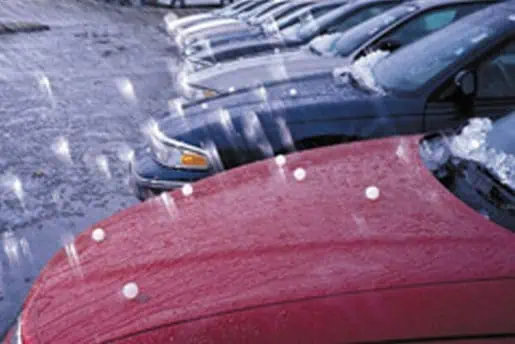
{"points": [[499, 194], [314, 50], [479, 179]]}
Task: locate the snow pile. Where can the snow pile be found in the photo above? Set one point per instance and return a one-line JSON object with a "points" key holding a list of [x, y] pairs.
{"points": [[471, 144], [362, 69]]}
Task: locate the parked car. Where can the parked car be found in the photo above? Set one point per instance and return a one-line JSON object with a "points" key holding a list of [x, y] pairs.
{"points": [[225, 19], [174, 24], [466, 69], [338, 20], [266, 26], [250, 28], [399, 240], [231, 24], [400, 26]]}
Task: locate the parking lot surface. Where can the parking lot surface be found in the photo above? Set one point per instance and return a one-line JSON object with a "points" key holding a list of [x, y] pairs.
{"points": [[73, 100]]}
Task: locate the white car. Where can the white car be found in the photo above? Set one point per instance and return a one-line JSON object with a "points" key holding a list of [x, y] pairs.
{"points": [[174, 25], [185, 37]]}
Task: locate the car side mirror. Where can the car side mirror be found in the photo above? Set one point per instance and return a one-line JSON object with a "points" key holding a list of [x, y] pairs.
{"points": [[465, 82]]}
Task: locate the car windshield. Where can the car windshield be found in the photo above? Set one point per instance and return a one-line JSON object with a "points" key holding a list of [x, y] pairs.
{"points": [[270, 10], [260, 10], [343, 44], [308, 23], [279, 13], [413, 66], [231, 9], [251, 7], [478, 165]]}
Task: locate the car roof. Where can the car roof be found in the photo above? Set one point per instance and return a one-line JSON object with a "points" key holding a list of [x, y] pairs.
{"points": [[349, 6], [331, 2], [269, 234], [433, 3]]}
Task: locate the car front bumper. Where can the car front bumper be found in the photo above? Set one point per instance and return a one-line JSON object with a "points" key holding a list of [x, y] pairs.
{"points": [[148, 178]]}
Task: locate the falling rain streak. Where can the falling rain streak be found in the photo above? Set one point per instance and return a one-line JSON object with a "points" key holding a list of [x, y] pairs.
{"points": [[103, 165], [126, 89], [46, 88], [61, 148], [15, 185]]}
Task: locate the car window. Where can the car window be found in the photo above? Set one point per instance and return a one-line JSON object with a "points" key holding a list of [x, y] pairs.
{"points": [[292, 25], [278, 14], [358, 17], [229, 10], [270, 9], [253, 9], [250, 6], [260, 10], [414, 65], [428, 22], [343, 44], [496, 75]]}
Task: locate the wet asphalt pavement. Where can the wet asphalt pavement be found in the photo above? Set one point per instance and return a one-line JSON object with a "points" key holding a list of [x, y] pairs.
{"points": [[72, 101]]}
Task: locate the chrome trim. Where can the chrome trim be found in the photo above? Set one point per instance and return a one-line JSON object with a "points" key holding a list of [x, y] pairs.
{"points": [[154, 184], [160, 136]]}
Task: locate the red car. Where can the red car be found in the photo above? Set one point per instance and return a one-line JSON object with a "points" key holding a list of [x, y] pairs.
{"points": [[381, 241]]}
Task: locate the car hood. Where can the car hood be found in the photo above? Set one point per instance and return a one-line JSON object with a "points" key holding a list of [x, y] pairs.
{"points": [[172, 23], [243, 49], [219, 32], [252, 237], [314, 86], [263, 70], [210, 24]]}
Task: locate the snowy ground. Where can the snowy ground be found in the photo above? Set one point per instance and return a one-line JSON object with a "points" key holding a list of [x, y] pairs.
{"points": [[72, 102]]}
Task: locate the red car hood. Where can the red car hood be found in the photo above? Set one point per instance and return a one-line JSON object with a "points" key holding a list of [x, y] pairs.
{"points": [[257, 236]]}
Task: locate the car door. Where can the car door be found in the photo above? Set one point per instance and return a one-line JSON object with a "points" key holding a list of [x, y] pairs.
{"points": [[494, 96], [495, 80]]}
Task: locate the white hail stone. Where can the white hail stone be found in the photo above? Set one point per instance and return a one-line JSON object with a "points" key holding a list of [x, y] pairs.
{"points": [[299, 174], [187, 190], [130, 290], [98, 234], [372, 193], [280, 160]]}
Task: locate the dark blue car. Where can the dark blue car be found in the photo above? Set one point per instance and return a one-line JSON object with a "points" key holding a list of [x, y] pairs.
{"points": [[400, 26], [340, 19], [440, 81]]}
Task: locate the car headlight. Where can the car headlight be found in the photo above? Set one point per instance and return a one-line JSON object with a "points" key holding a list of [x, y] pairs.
{"points": [[187, 41], [193, 49], [207, 93], [191, 92], [176, 154]]}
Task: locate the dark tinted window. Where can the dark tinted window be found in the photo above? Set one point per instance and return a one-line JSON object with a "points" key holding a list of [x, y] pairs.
{"points": [[358, 17], [270, 9], [295, 20], [496, 75], [428, 22], [342, 44]]}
